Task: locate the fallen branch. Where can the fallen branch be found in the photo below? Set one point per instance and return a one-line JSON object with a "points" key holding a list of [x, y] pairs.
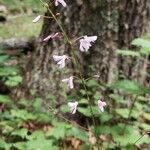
{"points": [[15, 43]]}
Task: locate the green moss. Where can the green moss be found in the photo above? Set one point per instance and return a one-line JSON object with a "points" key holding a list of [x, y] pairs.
{"points": [[20, 26]]}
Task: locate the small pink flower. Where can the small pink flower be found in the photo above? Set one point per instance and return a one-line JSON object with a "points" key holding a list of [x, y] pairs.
{"points": [[101, 105], [36, 19], [47, 38], [85, 42], [73, 107], [69, 82], [61, 2], [52, 36], [96, 76], [60, 60]]}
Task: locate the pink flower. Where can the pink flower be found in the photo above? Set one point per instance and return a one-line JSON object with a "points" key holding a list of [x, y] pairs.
{"points": [[60, 60], [52, 36], [85, 43], [69, 82], [73, 107], [36, 19], [61, 2], [101, 105]]}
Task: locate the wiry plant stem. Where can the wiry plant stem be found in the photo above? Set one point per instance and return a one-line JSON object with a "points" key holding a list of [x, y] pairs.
{"points": [[75, 62]]}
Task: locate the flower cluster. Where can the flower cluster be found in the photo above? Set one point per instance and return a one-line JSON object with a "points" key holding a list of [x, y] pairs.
{"points": [[85, 43]]}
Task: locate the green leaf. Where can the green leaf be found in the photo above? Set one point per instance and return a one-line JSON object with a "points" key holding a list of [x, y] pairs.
{"points": [[7, 70], [37, 104], [77, 133], [4, 145], [35, 135], [20, 145], [105, 117], [22, 114], [145, 51], [147, 116], [141, 42], [58, 132], [97, 95], [85, 147], [124, 112], [144, 126], [87, 111], [92, 83], [129, 137], [13, 81], [127, 86], [36, 144], [5, 99], [142, 140], [146, 90], [116, 97], [127, 53], [20, 132], [83, 92], [3, 58]]}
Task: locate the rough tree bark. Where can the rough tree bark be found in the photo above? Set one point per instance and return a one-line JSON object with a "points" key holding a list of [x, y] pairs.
{"points": [[115, 22]]}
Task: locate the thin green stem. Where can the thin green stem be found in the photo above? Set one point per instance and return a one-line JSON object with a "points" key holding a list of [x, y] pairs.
{"points": [[75, 61], [130, 112], [140, 138]]}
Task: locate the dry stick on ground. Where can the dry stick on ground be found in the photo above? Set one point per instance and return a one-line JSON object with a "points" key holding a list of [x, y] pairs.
{"points": [[17, 43]]}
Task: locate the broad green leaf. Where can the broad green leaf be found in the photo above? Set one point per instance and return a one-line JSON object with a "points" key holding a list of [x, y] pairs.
{"points": [[85, 147], [39, 144], [83, 92], [64, 108], [116, 97], [20, 132], [145, 51], [7, 70], [92, 83], [124, 112], [3, 58], [105, 117], [146, 90], [144, 126], [22, 114], [101, 129], [97, 95], [13, 81], [127, 86], [141, 42], [5, 99], [129, 137], [37, 104], [58, 132], [127, 53], [87, 111], [19, 145], [147, 116], [77, 133], [142, 140], [4, 145], [35, 135]]}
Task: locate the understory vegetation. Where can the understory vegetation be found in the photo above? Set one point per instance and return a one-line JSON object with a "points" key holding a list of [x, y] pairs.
{"points": [[38, 124]]}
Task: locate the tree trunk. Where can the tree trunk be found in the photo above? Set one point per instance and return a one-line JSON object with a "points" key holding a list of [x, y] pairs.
{"points": [[116, 23]]}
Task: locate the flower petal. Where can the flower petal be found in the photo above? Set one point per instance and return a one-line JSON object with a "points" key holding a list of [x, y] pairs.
{"points": [[61, 2], [101, 105], [36, 19], [73, 107]]}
